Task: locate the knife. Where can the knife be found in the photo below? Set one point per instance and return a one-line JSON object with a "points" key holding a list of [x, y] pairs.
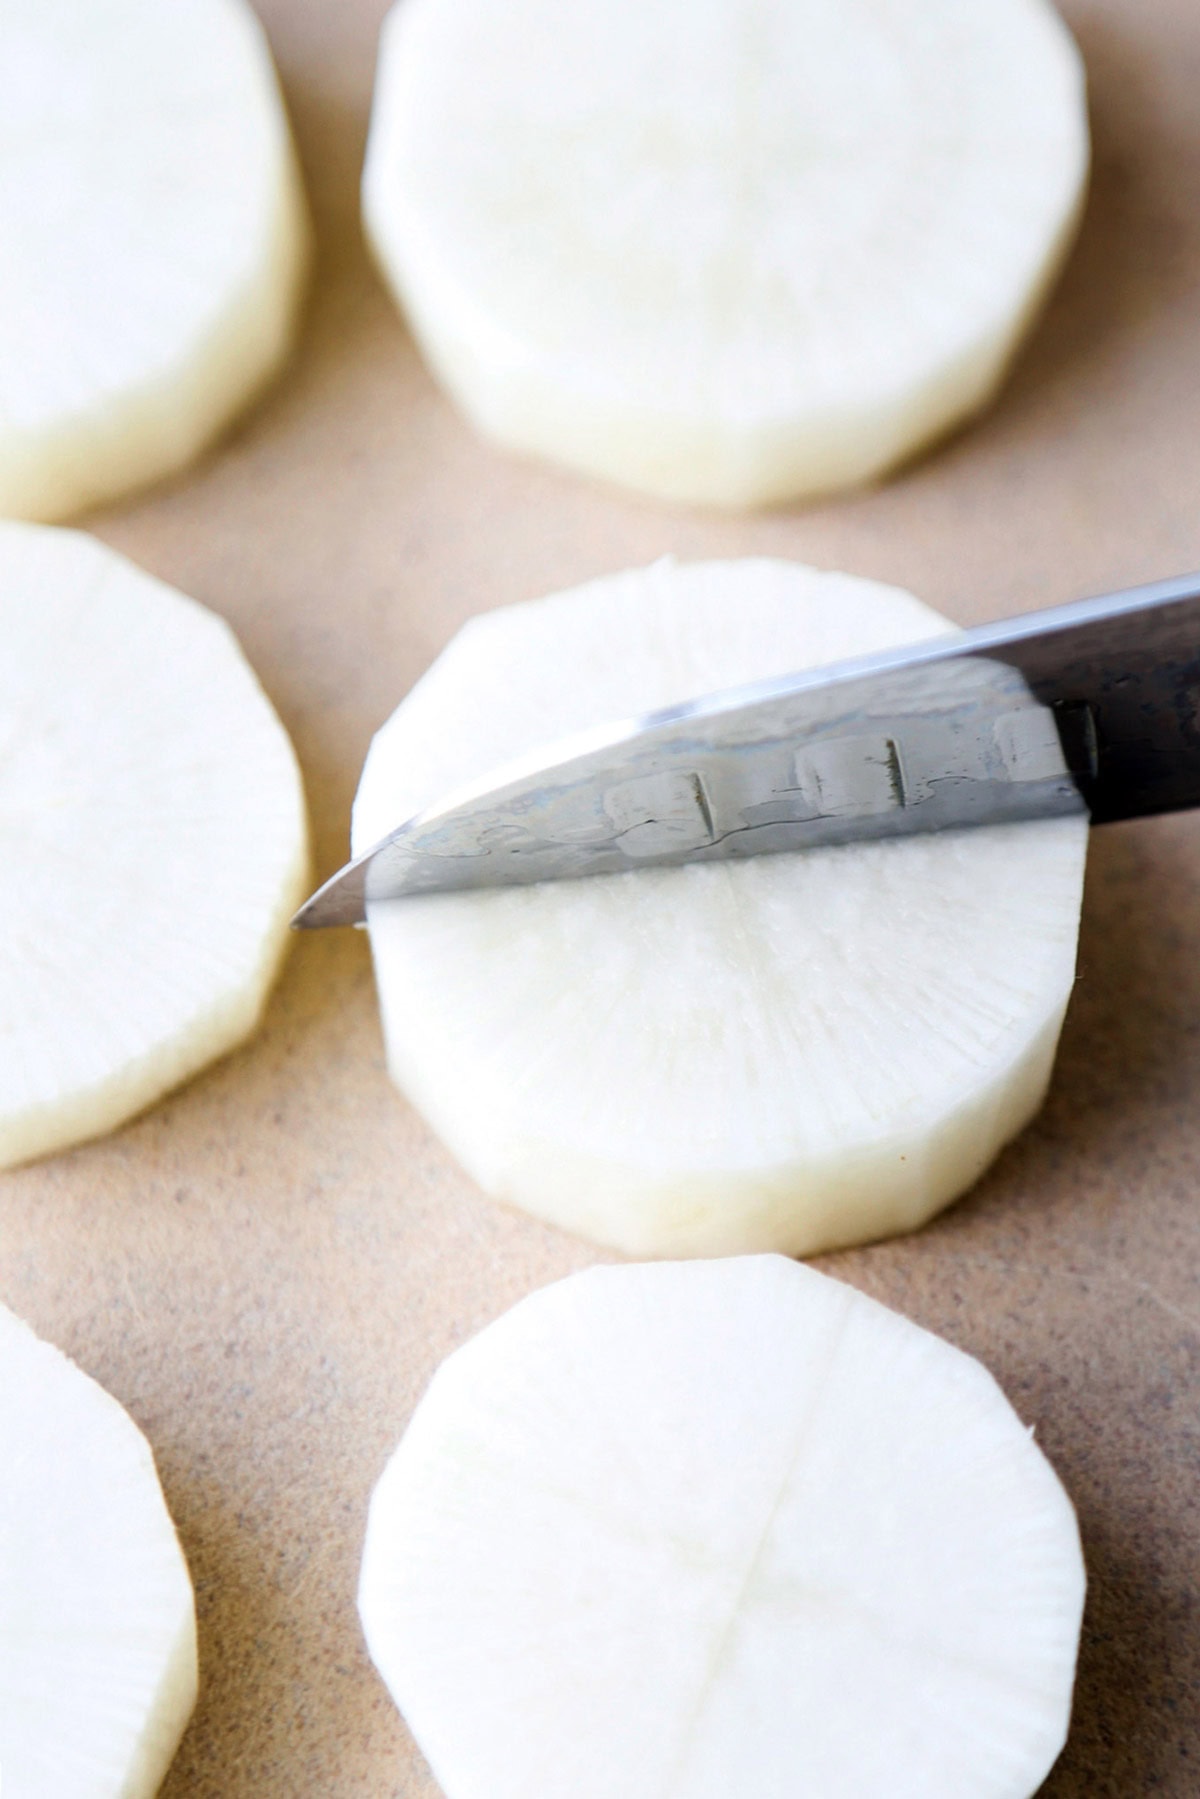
{"points": [[1087, 708]]}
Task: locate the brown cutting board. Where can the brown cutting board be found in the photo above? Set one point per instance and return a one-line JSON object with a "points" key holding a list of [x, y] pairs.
{"points": [[267, 1268]]}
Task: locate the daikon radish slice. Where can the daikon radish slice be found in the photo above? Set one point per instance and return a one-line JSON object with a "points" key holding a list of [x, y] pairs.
{"points": [[97, 1630], [154, 240], [694, 1530], [793, 1052], [152, 838], [729, 253]]}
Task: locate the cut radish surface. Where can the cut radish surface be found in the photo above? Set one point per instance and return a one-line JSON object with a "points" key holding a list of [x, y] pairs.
{"points": [[794, 1052], [97, 1633], [728, 254], [693, 1530], [152, 837], [154, 239]]}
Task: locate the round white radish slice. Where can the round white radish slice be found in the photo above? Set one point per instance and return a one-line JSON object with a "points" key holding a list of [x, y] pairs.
{"points": [[97, 1630], [731, 253], [154, 240], [700, 1529], [794, 1052], [152, 837]]}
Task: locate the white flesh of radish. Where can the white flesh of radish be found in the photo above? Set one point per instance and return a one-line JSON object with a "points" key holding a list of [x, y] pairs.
{"points": [[97, 1632], [152, 838], [695, 1530], [154, 239], [795, 1052], [727, 253]]}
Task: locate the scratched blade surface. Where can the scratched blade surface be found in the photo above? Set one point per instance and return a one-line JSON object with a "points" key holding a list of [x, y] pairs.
{"points": [[1086, 707]]}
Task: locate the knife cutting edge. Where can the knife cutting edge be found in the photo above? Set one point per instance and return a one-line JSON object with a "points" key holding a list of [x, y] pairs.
{"points": [[1093, 707]]}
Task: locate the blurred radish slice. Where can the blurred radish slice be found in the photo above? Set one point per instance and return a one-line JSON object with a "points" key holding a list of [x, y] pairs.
{"points": [[154, 240], [726, 254], [152, 838], [97, 1631], [794, 1052], [683, 1531]]}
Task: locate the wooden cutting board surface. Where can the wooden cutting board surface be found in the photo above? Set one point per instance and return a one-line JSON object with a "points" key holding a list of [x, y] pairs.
{"points": [[267, 1268]]}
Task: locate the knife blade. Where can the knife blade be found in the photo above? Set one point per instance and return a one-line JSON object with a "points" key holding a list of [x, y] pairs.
{"points": [[1091, 707]]}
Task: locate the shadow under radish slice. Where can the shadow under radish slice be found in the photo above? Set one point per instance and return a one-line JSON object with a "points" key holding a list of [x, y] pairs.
{"points": [[154, 239], [152, 838], [684, 1531], [726, 255], [792, 1052], [97, 1627]]}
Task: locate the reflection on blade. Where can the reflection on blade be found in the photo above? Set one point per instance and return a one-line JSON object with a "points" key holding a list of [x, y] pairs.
{"points": [[921, 740]]}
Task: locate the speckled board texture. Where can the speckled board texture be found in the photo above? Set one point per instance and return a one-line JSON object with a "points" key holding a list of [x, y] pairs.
{"points": [[267, 1268]]}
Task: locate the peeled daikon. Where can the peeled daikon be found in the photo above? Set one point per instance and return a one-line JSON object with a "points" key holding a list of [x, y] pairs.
{"points": [[152, 840], [729, 253], [154, 240], [697, 1530], [97, 1629], [794, 1052]]}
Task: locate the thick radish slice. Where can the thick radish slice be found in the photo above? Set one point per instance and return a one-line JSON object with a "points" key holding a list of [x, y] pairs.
{"points": [[724, 254], [154, 240], [794, 1052], [152, 837], [97, 1628], [689, 1530]]}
